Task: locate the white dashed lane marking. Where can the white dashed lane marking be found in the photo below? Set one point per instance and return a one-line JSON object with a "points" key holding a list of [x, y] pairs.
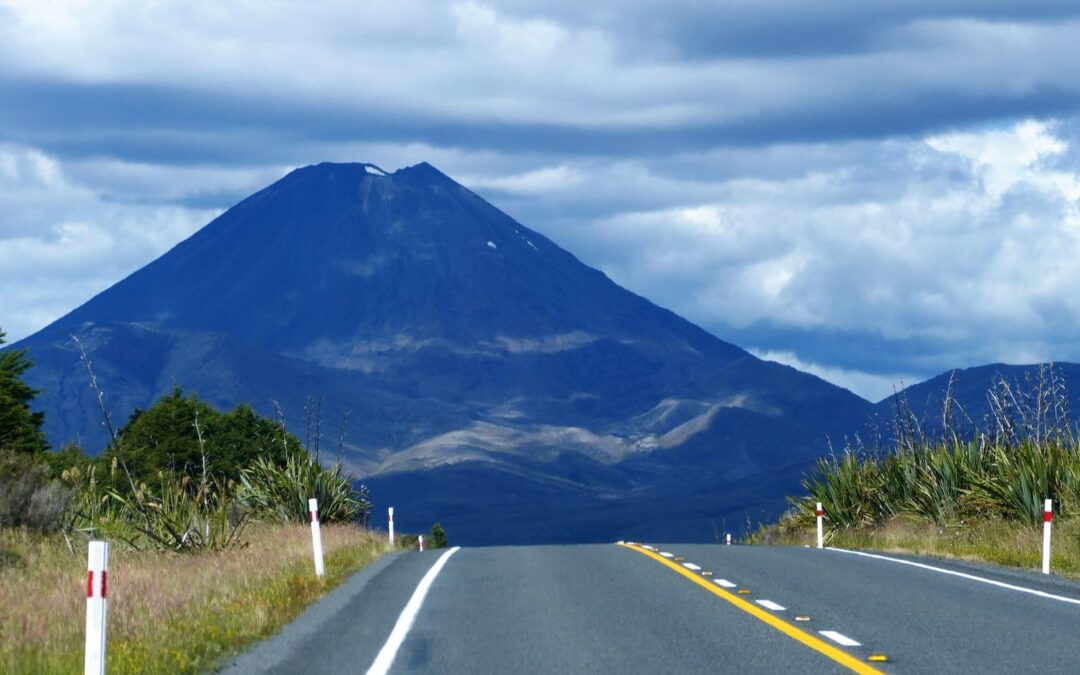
{"points": [[691, 566], [666, 554], [723, 582], [769, 604], [839, 638]]}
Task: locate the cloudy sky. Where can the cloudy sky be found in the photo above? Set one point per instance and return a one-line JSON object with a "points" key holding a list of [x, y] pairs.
{"points": [[871, 191]]}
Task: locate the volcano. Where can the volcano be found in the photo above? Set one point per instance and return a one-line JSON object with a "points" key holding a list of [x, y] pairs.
{"points": [[492, 381]]}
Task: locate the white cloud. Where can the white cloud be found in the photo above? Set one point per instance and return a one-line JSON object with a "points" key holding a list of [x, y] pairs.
{"points": [[542, 181], [61, 243], [1005, 158], [869, 386]]}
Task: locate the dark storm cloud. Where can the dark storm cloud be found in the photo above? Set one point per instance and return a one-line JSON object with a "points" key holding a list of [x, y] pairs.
{"points": [[174, 125], [779, 29]]}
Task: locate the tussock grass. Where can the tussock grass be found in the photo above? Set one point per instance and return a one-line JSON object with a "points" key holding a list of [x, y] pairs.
{"points": [[168, 613]]}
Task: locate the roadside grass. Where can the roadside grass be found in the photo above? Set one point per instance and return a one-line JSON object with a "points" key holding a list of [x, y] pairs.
{"points": [[996, 540], [168, 613]]}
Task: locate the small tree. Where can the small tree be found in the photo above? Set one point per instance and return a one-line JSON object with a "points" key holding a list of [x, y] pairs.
{"points": [[28, 498], [20, 428], [438, 536]]}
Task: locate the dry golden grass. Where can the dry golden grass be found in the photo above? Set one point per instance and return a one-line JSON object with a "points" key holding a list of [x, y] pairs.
{"points": [[167, 612], [989, 540]]}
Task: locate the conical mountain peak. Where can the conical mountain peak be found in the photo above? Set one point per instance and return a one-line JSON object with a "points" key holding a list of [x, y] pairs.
{"points": [[348, 253], [455, 335]]}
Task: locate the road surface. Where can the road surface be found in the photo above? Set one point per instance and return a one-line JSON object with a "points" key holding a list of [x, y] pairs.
{"points": [[679, 608]]}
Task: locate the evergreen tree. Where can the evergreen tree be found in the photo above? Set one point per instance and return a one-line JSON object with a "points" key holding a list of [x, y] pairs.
{"points": [[20, 428], [178, 432]]}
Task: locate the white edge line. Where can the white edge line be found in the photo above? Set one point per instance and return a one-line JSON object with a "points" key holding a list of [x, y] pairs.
{"points": [[691, 566], [385, 659], [972, 577], [839, 638], [769, 604], [724, 582]]}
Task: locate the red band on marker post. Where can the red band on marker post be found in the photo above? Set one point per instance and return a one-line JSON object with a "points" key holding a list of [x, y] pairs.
{"points": [[313, 516], [1048, 515], [104, 584], [819, 512]]}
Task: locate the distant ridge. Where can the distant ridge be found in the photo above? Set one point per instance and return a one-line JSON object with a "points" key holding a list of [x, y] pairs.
{"points": [[970, 389]]}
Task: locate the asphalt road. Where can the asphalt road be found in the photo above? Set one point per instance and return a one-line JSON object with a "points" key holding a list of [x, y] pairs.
{"points": [[609, 608]]}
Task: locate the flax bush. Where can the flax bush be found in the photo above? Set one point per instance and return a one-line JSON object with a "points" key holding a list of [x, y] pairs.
{"points": [[176, 514], [280, 491], [1026, 450]]}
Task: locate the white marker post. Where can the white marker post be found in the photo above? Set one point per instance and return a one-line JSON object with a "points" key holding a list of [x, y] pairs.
{"points": [[728, 539], [1048, 517], [97, 585], [820, 527], [316, 536], [421, 542], [391, 525]]}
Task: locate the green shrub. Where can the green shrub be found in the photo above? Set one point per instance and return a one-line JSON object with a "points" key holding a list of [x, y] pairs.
{"points": [[438, 536], [28, 497]]}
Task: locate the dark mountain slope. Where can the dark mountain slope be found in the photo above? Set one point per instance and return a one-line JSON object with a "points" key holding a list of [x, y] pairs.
{"points": [[469, 349]]}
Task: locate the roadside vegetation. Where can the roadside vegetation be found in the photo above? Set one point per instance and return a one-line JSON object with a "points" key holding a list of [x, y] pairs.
{"points": [[168, 612], [206, 513], [972, 489], [435, 539]]}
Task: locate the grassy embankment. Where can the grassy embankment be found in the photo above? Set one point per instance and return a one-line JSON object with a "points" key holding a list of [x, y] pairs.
{"points": [[970, 494], [986, 540], [168, 613]]}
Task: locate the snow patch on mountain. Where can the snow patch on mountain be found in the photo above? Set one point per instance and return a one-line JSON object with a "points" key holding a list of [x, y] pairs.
{"points": [[545, 344], [376, 354]]}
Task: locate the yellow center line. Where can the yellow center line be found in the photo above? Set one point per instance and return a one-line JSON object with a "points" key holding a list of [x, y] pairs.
{"points": [[841, 657]]}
